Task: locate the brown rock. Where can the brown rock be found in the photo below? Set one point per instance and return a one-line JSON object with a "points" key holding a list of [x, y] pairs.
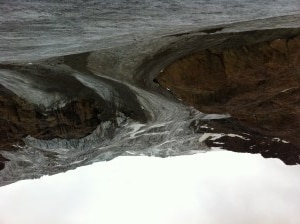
{"points": [[257, 84], [19, 118]]}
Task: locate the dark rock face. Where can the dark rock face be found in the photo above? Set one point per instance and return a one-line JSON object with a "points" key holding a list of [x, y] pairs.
{"points": [[233, 135], [19, 118], [77, 109], [77, 117], [51, 100], [78, 79], [258, 84]]}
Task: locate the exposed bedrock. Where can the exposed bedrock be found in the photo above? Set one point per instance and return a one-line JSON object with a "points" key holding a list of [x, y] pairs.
{"points": [[20, 118], [75, 107], [51, 100], [257, 83]]}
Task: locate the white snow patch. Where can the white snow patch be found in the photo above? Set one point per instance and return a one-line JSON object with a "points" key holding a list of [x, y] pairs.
{"points": [[239, 136], [283, 91], [150, 134], [215, 136], [215, 116], [205, 126], [135, 127], [76, 162], [131, 153], [246, 133], [279, 140], [217, 148], [212, 136], [18, 146], [159, 125]]}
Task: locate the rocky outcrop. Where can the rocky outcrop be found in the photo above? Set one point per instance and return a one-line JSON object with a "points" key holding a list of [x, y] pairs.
{"points": [[258, 84], [19, 118], [69, 107], [235, 136]]}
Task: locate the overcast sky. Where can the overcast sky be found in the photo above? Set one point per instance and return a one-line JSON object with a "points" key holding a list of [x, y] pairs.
{"points": [[215, 187]]}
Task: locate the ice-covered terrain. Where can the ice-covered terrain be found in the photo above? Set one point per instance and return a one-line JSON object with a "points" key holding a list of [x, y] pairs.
{"points": [[125, 45]]}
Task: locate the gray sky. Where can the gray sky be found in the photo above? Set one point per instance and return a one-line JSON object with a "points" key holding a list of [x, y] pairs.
{"points": [[215, 187]]}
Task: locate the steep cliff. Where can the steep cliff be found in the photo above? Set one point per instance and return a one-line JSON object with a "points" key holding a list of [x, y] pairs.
{"points": [[50, 100], [68, 111], [257, 84], [20, 118]]}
